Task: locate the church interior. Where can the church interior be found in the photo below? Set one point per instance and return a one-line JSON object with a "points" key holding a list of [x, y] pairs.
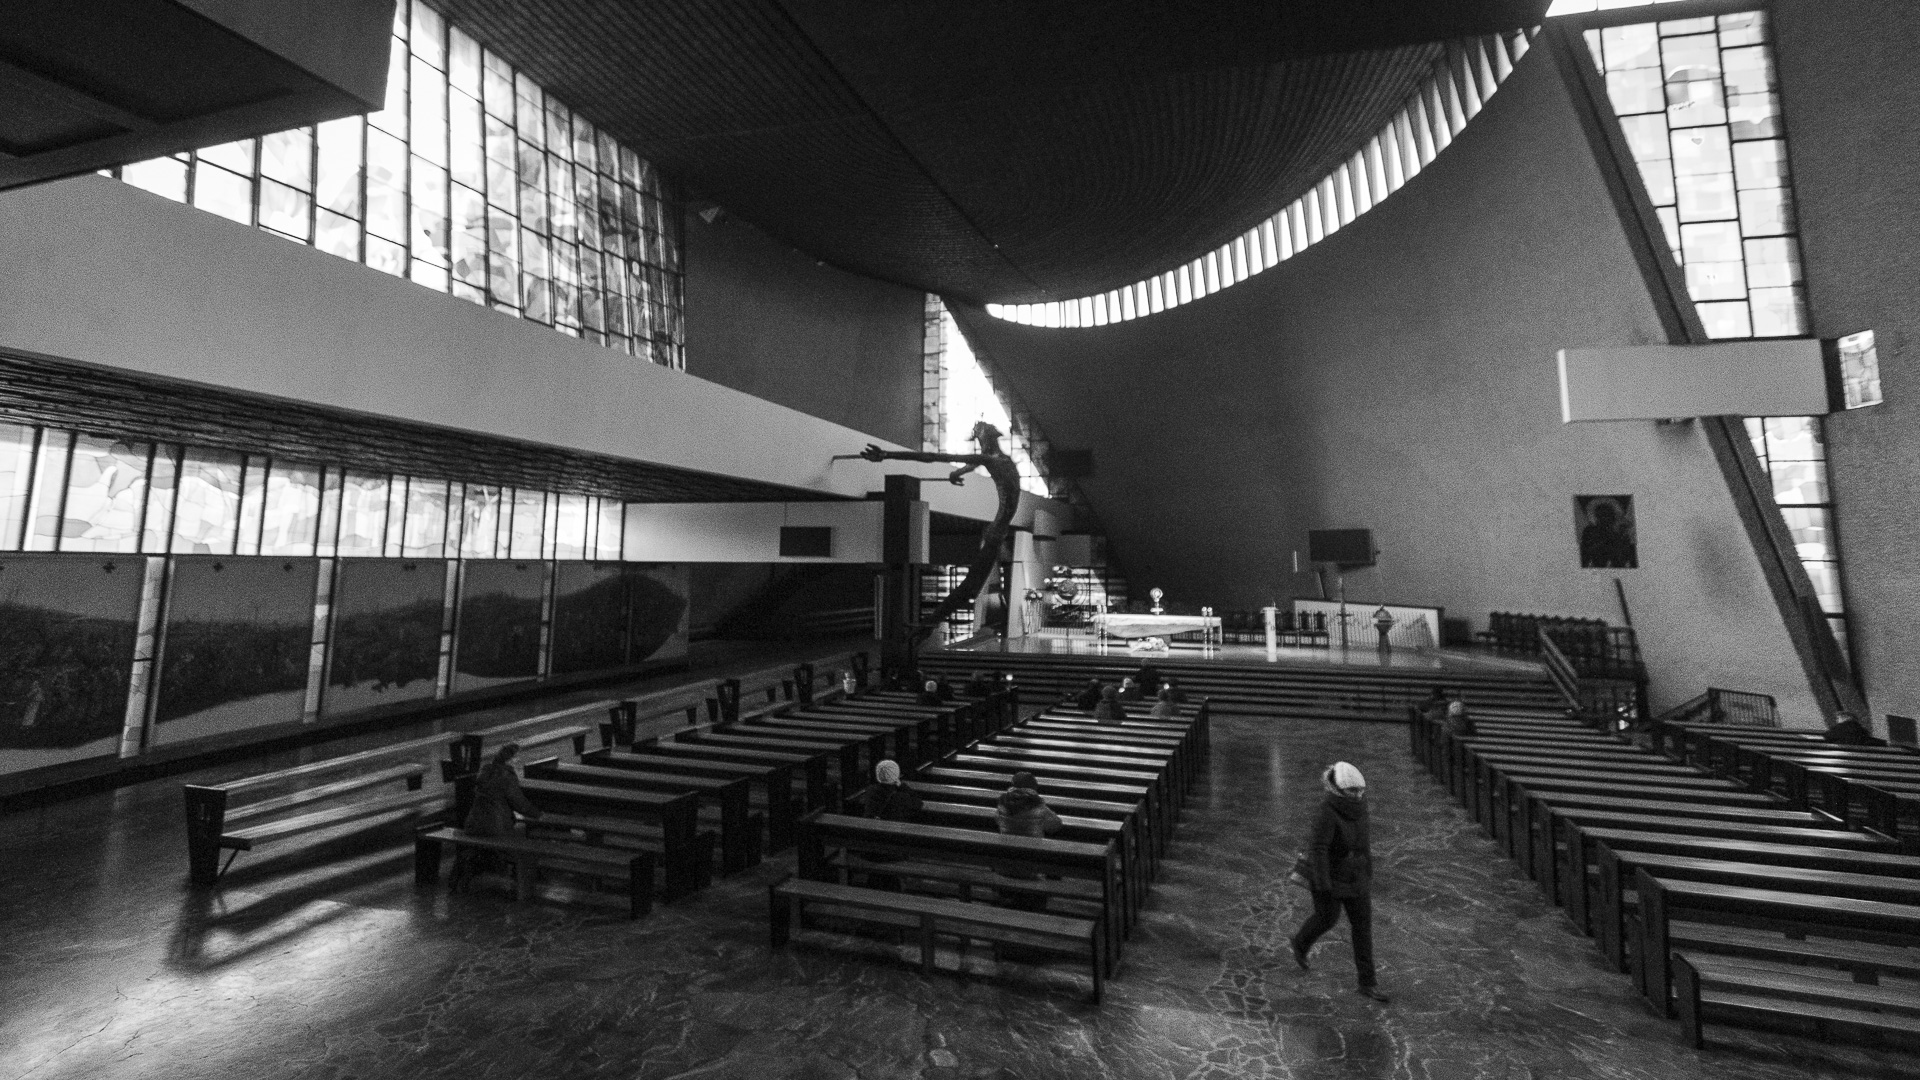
{"points": [[848, 540]]}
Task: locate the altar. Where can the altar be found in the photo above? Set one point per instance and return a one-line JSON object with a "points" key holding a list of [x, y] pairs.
{"points": [[1131, 627]]}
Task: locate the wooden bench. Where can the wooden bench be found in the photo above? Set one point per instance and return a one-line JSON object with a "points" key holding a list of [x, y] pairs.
{"points": [[1583, 851], [776, 795], [1665, 901], [1617, 872], [993, 784], [1561, 821], [1051, 771], [1169, 761], [918, 738], [811, 766], [217, 822], [1073, 828], [1530, 835], [938, 731], [1040, 857], [1728, 991], [842, 753], [884, 740], [789, 899], [740, 828], [632, 870], [686, 860]]}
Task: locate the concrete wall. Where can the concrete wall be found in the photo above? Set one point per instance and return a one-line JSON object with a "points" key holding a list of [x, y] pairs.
{"points": [[770, 321], [1851, 90], [1400, 376], [102, 272]]}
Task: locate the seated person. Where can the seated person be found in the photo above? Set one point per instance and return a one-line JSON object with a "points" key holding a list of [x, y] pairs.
{"points": [[849, 683], [1434, 706], [1164, 707], [979, 686], [933, 691], [1089, 697], [1110, 710], [1179, 694], [1148, 679], [1130, 690], [1020, 811], [1459, 724], [889, 800], [496, 796]]}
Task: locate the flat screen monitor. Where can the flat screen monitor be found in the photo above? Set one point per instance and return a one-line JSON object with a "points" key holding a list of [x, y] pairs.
{"points": [[1343, 547]]}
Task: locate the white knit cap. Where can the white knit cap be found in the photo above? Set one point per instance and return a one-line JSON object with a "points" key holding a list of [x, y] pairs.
{"points": [[1345, 777], [887, 772]]}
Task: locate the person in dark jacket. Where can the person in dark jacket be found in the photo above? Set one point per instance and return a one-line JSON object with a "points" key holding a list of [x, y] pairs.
{"points": [[1459, 723], [1129, 689], [1020, 811], [1339, 868], [496, 795], [1089, 697], [979, 686], [889, 800], [1110, 710], [1164, 707], [1148, 679]]}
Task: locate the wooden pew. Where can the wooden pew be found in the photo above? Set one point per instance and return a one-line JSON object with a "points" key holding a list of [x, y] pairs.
{"points": [[1032, 760], [775, 782], [1167, 761], [1041, 856], [1130, 815], [1581, 887], [844, 754], [255, 811], [1073, 827], [1665, 901], [993, 783], [1533, 798], [740, 828], [1051, 770], [686, 852], [930, 917], [889, 738], [1563, 819], [810, 765], [923, 735], [631, 870], [1734, 992], [1618, 870]]}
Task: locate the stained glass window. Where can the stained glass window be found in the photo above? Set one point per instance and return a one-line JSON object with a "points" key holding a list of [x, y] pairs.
{"points": [[207, 509], [106, 495], [470, 180]]}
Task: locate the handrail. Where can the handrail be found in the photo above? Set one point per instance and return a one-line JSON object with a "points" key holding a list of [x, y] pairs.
{"points": [[1564, 677]]}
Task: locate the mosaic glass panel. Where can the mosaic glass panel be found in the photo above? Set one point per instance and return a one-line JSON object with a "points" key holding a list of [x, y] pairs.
{"points": [[291, 522], [16, 480], [207, 509], [106, 495]]}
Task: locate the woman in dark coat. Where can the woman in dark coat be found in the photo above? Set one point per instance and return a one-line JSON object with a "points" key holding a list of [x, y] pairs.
{"points": [[496, 795], [1339, 866], [1110, 710]]}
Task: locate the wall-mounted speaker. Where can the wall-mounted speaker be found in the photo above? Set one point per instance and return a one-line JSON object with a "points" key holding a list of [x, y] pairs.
{"points": [[806, 542]]}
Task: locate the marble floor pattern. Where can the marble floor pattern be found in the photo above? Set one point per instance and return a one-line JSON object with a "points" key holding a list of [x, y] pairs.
{"points": [[336, 966]]}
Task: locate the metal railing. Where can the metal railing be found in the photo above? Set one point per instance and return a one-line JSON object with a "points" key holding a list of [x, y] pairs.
{"points": [[1740, 708]]}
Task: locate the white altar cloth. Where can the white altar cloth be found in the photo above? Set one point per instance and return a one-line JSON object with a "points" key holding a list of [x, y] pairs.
{"points": [[1145, 626]]}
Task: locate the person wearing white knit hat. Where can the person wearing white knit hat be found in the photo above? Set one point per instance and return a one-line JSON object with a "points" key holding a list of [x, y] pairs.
{"points": [[1339, 872], [889, 800]]}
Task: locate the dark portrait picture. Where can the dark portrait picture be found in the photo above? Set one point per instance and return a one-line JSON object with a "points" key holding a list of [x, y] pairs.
{"points": [[1604, 524]]}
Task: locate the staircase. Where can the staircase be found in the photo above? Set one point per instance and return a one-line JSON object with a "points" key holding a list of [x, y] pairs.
{"points": [[1276, 691]]}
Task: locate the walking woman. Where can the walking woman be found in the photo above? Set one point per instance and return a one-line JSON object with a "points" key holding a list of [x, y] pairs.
{"points": [[1339, 871]]}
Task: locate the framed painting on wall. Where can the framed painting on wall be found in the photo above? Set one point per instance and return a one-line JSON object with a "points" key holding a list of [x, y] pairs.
{"points": [[1605, 531]]}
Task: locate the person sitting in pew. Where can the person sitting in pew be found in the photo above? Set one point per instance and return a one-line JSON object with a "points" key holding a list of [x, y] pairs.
{"points": [[889, 800], [1110, 710], [1130, 690], [1434, 708], [934, 690], [979, 686], [1020, 811], [1089, 697], [496, 796], [1148, 679], [1339, 865], [849, 683], [1459, 723], [1173, 684], [1164, 707]]}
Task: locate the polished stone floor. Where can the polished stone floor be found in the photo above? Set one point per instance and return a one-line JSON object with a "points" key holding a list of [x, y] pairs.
{"points": [[338, 967]]}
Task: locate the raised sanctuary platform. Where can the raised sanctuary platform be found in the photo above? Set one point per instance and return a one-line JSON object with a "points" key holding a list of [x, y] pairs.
{"points": [[1301, 683]]}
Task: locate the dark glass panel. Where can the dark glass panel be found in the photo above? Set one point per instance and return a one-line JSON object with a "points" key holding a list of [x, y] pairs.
{"points": [[386, 633], [499, 637], [238, 640], [67, 627]]}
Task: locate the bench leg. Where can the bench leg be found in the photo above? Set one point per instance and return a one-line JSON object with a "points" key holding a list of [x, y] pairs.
{"points": [[1655, 962], [926, 945], [640, 885], [523, 874], [1686, 985], [779, 917], [1100, 960], [426, 860]]}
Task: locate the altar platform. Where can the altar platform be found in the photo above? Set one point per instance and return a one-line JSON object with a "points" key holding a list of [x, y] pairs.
{"points": [[1055, 642], [1239, 680]]}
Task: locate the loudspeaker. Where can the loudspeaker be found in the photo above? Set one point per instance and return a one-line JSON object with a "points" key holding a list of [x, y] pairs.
{"points": [[1069, 464], [1342, 547], [806, 542]]}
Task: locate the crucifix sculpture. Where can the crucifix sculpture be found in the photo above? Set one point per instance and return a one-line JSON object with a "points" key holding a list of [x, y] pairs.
{"points": [[1006, 480]]}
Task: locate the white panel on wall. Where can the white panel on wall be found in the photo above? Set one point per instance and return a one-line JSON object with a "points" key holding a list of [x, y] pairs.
{"points": [[1659, 382], [747, 532]]}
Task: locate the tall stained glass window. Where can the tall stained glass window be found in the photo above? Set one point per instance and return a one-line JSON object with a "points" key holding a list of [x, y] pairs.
{"points": [[470, 180], [1700, 107]]}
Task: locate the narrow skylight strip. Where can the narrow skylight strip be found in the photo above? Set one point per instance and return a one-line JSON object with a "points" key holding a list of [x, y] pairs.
{"points": [[1461, 82]]}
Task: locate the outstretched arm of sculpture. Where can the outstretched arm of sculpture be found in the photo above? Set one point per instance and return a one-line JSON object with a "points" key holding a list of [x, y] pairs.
{"points": [[967, 462]]}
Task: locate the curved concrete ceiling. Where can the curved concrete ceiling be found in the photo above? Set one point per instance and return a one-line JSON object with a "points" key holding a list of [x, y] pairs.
{"points": [[993, 150]]}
